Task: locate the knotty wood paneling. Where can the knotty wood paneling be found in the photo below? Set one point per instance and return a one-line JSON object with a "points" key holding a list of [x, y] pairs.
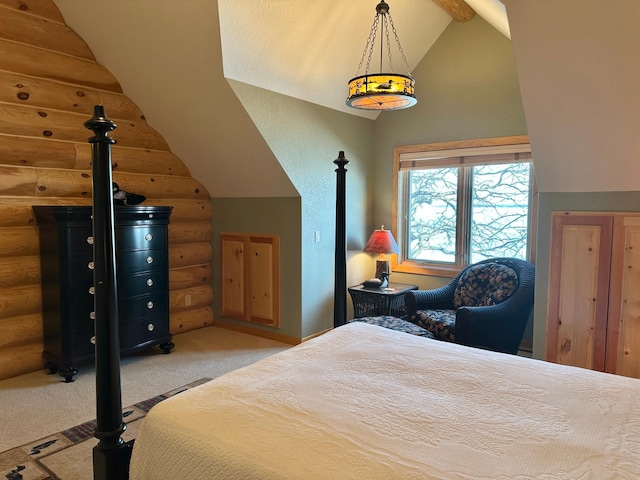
{"points": [[49, 84]]}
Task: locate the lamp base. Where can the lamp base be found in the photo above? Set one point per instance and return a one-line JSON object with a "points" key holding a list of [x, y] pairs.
{"points": [[382, 266]]}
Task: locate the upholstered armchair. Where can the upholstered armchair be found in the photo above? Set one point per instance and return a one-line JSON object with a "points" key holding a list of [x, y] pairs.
{"points": [[486, 305]]}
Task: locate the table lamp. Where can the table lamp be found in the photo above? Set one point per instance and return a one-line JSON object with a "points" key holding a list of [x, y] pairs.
{"points": [[382, 242]]}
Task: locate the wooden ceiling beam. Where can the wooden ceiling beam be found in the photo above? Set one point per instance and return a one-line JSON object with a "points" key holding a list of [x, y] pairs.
{"points": [[458, 9]]}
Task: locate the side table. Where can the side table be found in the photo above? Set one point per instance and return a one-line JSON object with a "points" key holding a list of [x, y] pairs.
{"points": [[371, 302]]}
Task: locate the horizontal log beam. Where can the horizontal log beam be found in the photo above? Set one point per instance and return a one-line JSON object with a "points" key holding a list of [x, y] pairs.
{"points": [[17, 212], [457, 9], [21, 359], [48, 94], [18, 331], [26, 121], [19, 242], [20, 301], [187, 277], [186, 320], [39, 8], [20, 271], [182, 232], [51, 182], [184, 255], [28, 152], [37, 62], [40, 32], [190, 298]]}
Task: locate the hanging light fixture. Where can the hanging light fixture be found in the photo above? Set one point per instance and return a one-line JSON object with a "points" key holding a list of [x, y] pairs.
{"points": [[381, 91]]}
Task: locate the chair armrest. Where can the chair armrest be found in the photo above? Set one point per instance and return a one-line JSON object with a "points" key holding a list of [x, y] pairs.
{"points": [[498, 327], [426, 299]]}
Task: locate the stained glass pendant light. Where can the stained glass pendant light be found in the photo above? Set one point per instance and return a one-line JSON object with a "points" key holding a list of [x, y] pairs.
{"points": [[381, 91]]}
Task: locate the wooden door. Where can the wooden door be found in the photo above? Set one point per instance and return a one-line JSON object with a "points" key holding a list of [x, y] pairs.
{"points": [[579, 289], [233, 276], [264, 287], [623, 332], [251, 277]]}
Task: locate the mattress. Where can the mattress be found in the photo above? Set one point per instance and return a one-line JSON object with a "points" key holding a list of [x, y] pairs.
{"points": [[365, 402]]}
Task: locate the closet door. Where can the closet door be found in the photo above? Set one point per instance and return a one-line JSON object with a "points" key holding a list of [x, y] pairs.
{"points": [[623, 332], [578, 303], [251, 277]]}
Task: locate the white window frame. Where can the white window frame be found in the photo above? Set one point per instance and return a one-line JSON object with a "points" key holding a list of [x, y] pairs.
{"points": [[447, 154]]}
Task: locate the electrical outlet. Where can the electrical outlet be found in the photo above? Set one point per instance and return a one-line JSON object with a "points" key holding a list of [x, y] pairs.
{"points": [[316, 236], [187, 300]]}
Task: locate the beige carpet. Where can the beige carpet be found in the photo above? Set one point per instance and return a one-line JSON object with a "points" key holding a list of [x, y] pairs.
{"points": [[68, 455], [36, 405]]}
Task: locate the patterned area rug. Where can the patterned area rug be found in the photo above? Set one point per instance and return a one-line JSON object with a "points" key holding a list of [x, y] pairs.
{"points": [[67, 455]]}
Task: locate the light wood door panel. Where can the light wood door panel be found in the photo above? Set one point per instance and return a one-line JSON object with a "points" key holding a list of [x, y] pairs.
{"points": [[623, 333], [251, 278], [233, 276], [579, 290]]}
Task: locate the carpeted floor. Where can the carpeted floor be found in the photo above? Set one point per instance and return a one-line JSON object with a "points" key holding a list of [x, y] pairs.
{"points": [[67, 455], [37, 405]]}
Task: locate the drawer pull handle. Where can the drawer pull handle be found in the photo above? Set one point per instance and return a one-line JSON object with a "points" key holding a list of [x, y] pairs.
{"points": [[93, 340], [90, 240], [149, 305], [90, 265], [149, 259], [92, 315], [149, 282], [148, 237], [92, 290], [150, 327]]}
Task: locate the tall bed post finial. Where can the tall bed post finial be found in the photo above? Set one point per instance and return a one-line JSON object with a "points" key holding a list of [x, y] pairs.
{"points": [[111, 456], [340, 287]]}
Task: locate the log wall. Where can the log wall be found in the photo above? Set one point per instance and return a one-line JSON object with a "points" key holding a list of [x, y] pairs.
{"points": [[49, 84]]}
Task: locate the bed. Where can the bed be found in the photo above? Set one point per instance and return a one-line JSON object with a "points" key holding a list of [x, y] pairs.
{"points": [[363, 401], [360, 401]]}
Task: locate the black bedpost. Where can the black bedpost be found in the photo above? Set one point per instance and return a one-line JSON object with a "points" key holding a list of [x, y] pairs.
{"points": [[111, 456], [340, 287]]}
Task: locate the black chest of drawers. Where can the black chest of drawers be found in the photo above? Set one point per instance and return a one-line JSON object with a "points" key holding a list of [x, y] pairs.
{"points": [[142, 278]]}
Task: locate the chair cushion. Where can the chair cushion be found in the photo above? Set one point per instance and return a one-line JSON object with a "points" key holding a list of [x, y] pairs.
{"points": [[485, 284], [440, 322], [395, 323]]}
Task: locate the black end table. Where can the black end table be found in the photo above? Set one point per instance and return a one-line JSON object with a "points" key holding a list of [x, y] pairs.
{"points": [[372, 301]]}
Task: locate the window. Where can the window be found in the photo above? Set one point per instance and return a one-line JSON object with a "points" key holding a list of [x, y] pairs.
{"points": [[458, 204]]}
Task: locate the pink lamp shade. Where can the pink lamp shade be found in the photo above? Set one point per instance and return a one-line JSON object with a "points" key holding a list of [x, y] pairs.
{"points": [[382, 242]]}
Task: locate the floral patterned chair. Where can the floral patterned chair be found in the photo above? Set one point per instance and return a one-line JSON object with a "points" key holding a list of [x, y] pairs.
{"points": [[487, 305]]}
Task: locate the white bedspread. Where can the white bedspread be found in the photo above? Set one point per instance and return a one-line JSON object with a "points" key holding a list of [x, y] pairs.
{"points": [[364, 402]]}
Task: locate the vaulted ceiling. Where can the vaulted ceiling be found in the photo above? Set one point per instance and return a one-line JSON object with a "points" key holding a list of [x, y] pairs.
{"points": [[576, 60], [309, 50]]}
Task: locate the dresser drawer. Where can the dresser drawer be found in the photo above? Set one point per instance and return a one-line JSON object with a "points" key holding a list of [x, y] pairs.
{"points": [[152, 305], [154, 281], [140, 238], [141, 261], [80, 241], [83, 344], [147, 331], [81, 314], [79, 270]]}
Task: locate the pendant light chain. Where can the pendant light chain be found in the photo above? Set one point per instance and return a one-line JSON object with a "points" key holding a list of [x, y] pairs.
{"points": [[371, 40], [404, 58], [386, 31]]}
